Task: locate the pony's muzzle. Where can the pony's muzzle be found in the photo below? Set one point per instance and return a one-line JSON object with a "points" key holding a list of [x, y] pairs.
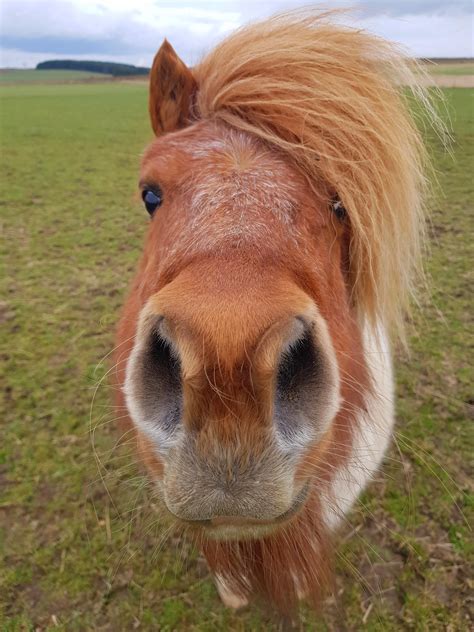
{"points": [[197, 485], [230, 423], [246, 523]]}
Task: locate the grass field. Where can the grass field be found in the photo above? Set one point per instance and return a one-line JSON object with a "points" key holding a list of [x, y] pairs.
{"points": [[30, 75], [81, 543], [464, 68]]}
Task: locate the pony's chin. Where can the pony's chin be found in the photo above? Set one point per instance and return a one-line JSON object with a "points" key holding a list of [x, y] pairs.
{"points": [[231, 532]]}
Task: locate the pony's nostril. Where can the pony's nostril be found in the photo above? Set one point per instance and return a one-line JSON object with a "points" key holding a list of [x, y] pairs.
{"points": [[297, 366], [299, 378], [153, 385], [164, 360]]}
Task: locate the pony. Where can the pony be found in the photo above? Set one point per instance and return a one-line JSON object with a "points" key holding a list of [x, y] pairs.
{"points": [[286, 187]]}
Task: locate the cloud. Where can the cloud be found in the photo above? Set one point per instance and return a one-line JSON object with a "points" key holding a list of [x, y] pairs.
{"points": [[399, 8], [112, 29], [120, 30]]}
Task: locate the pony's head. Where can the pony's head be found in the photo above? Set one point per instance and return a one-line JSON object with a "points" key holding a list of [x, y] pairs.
{"points": [[284, 187]]}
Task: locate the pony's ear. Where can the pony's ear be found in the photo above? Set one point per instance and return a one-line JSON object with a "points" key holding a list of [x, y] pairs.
{"points": [[172, 86]]}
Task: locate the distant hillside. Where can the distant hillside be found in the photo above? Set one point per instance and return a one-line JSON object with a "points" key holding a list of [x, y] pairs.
{"points": [[102, 67]]}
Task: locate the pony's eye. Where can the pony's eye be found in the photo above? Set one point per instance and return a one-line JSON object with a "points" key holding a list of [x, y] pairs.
{"points": [[338, 208], [152, 199]]}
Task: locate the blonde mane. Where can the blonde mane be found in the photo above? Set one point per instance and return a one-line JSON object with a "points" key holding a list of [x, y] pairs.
{"points": [[333, 99]]}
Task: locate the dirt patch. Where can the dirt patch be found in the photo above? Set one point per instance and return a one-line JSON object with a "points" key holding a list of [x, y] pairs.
{"points": [[450, 81]]}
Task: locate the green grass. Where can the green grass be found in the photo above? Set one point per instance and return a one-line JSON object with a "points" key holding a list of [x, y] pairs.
{"points": [[30, 75], [81, 553]]}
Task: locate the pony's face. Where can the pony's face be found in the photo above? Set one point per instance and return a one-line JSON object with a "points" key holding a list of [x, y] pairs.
{"points": [[234, 381], [252, 351], [247, 360]]}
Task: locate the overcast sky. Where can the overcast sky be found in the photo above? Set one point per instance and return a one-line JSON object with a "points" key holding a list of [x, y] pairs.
{"points": [[132, 30]]}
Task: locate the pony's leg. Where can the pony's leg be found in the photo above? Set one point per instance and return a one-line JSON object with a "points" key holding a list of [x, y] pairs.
{"points": [[228, 597]]}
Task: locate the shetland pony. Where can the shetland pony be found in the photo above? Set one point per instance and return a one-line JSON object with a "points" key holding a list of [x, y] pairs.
{"points": [[285, 187]]}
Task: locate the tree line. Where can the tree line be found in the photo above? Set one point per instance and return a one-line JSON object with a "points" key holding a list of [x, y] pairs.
{"points": [[103, 67]]}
